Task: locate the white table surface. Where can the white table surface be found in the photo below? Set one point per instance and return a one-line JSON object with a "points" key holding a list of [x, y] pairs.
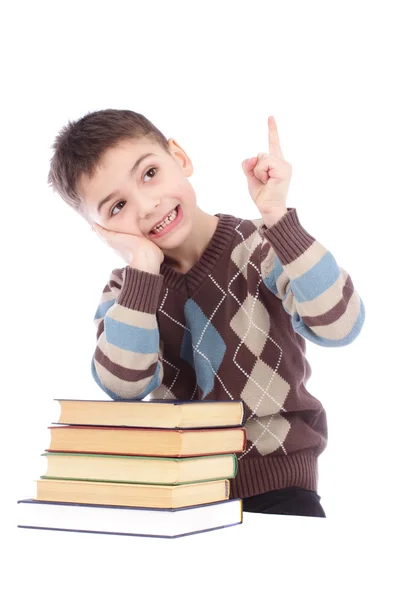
{"points": [[267, 556]]}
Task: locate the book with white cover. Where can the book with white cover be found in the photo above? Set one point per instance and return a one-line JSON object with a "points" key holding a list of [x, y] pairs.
{"points": [[123, 520]]}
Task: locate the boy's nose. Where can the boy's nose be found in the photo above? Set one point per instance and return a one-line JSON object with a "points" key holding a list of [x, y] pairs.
{"points": [[147, 207]]}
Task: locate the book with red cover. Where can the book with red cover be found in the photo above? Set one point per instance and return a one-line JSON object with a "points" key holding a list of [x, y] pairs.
{"points": [[145, 441]]}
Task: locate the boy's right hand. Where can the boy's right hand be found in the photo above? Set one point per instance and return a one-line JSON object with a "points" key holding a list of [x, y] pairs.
{"points": [[139, 252]]}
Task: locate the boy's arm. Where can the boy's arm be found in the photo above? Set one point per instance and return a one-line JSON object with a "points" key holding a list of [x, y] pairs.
{"points": [[126, 363], [317, 293]]}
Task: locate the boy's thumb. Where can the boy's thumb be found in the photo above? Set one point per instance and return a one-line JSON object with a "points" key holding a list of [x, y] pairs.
{"points": [[244, 166], [247, 166], [99, 231]]}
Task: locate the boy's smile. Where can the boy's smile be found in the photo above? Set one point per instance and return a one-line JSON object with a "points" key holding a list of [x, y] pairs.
{"points": [[164, 226]]}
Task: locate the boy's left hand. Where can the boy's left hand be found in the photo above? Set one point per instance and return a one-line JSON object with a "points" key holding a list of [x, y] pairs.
{"points": [[268, 178]]}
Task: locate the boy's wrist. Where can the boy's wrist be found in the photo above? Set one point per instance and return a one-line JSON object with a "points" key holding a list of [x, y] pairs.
{"points": [[146, 266], [270, 219]]}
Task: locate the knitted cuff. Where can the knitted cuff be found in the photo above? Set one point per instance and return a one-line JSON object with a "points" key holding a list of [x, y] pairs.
{"points": [[287, 237], [140, 290]]}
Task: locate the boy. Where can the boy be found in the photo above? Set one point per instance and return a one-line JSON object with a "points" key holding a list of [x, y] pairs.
{"points": [[210, 306]]}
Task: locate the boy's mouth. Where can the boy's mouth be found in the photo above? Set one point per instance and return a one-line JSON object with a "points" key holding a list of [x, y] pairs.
{"points": [[168, 223]]}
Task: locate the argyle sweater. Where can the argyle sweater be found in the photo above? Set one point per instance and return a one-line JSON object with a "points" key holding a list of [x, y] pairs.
{"points": [[234, 327]]}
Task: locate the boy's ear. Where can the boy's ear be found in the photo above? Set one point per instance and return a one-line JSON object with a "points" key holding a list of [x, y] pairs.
{"points": [[181, 157]]}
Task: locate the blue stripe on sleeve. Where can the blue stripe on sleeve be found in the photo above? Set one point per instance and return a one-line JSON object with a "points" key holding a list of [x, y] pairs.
{"points": [[129, 337], [316, 280], [271, 279], [103, 308]]}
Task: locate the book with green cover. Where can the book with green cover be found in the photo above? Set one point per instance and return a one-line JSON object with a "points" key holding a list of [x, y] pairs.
{"points": [[139, 469]]}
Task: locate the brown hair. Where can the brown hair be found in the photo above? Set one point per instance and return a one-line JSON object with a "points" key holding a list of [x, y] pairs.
{"points": [[79, 146]]}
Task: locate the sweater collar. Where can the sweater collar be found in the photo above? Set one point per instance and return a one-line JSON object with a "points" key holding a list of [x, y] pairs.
{"points": [[187, 283]]}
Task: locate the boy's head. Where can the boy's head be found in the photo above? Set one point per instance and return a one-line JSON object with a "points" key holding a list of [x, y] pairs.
{"points": [[103, 156]]}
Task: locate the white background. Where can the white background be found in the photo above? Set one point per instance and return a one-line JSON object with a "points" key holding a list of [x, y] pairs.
{"points": [[207, 74]]}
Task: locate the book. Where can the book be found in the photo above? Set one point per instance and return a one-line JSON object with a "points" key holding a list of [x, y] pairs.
{"points": [[154, 414], [132, 494], [146, 442], [122, 520], [139, 469]]}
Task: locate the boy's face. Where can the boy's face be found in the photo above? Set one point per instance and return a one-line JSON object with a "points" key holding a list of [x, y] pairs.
{"points": [[144, 196]]}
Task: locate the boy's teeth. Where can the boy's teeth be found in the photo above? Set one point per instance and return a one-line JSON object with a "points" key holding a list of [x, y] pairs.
{"points": [[170, 218]]}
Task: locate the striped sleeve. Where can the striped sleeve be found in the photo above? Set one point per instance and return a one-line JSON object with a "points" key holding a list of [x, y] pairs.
{"points": [[315, 291], [127, 360]]}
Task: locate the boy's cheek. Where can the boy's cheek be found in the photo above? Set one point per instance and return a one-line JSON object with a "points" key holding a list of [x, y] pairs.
{"points": [[131, 229]]}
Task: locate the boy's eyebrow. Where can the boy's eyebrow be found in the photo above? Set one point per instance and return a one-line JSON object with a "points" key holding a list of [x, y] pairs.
{"points": [[134, 168]]}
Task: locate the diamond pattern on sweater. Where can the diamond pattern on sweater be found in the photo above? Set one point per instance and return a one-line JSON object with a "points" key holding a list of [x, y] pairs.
{"points": [[267, 433], [271, 397], [202, 346], [265, 390], [241, 253], [251, 323]]}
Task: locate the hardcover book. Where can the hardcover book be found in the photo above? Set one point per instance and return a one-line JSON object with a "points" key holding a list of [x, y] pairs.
{"points": [[162, 414], [146, 442], [122, 520], [132, 494], [139, 469]]}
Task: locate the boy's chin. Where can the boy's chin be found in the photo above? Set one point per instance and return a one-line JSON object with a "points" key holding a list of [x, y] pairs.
{"points": [[170, 244]]}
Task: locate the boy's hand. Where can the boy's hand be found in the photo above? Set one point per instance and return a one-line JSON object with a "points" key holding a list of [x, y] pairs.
{"points": [[139, 252], [268, 178]]}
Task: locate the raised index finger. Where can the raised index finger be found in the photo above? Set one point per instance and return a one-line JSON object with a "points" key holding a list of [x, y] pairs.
{"points": [[273, 138]]}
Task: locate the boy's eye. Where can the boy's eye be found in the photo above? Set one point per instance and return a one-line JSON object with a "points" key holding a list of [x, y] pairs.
{"points": [[112, 213], [152, 169], [123, 202]]}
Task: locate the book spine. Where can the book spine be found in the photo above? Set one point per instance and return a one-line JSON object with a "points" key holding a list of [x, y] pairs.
{"points": [[227, 488], [244, 439], [235, 465], [243, 414]]}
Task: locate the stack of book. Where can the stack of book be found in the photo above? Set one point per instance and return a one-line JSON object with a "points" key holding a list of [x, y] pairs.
{"points": [[159, 468]]}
